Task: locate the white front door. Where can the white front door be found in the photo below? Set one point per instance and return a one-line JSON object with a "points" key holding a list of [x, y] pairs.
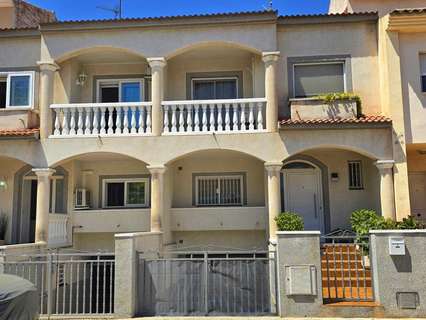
{"points": [[417, 183], [303, 195]]}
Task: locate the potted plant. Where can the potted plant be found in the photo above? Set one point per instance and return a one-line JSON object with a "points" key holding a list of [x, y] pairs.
{"points": [[289, 221], [3, 228]]}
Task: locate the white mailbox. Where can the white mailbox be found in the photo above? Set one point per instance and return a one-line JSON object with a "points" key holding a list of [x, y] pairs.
{"points": [[396, 246]]}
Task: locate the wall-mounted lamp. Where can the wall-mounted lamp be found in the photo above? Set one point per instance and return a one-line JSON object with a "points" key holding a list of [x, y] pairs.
{"points": [[81, 79], [3, 183]]}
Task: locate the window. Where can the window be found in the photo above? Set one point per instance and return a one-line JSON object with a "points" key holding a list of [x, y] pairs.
{"points": [[118, 193], [355, 175], [219, 190], [57, 194], [423, 71], [214, 88], [120, 90], [16, 89], [310, 79]]}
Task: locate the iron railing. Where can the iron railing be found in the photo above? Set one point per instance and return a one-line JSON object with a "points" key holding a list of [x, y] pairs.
{"points": [[68, 283], [345, 269]]}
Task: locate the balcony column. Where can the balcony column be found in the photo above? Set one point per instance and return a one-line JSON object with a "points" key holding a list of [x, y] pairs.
{"points": [[270, 59], [157, 197], [273, 170], [157, 93], [47, 79], [387, 193], [43, 200]]}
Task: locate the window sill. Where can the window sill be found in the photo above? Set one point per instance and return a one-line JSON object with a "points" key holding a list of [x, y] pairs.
{"points": [[16, 109]]}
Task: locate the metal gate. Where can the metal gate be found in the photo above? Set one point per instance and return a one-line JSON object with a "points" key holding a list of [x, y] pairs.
{"points": [[68, 284], [346, 271], [207, 283]]}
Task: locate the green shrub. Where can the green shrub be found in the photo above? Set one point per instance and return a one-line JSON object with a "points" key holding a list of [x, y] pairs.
{"points": [[289, 221], [364, 220]]}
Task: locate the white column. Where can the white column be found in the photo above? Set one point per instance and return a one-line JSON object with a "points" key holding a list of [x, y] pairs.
{"points": [[42, 207], [270, 59], [387, 193], [157, 197], [273, 170], [47, 79], [157, 92]]}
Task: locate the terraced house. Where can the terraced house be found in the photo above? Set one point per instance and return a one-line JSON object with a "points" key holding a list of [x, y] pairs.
{"points": [[195, 132], [206, 127]]}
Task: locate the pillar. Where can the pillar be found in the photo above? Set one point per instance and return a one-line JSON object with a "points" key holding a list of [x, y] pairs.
{"points": [[387, 194], [270, 59], [273, 170], [157, 197], [47, 79], [157, 92], [42, 207]]}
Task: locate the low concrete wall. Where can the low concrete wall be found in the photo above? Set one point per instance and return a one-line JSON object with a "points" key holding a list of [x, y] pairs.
{"points": [[396, 274], [127, 245], [299, 250]]}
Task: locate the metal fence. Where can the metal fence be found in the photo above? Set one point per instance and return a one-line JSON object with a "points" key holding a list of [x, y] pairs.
{"points": [[207, 283], [68, 283], [345, 268]]}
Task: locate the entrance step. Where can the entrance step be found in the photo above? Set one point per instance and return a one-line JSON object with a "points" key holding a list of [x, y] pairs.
{"points": [[345, 309]]}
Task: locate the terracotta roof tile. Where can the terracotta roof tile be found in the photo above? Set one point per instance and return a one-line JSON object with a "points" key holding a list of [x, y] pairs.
{"points": [[343, 14], [19, 132], [362, 120], [409, 11]]}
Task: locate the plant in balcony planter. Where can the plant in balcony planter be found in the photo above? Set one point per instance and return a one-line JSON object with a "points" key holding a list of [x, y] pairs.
{"points": [[289, 221], [331, 98], [3, 227]]}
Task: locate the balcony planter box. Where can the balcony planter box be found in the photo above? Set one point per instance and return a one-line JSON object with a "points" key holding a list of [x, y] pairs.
{"points": [[314, 108]]}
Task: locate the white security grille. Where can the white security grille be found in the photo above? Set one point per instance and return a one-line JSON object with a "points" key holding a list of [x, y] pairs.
{"points": [[219, 190], [355, 175]]}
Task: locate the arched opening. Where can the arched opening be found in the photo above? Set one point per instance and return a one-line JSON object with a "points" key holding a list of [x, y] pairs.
{"points": [[217, 199], [325, 185], [108, 193], [102, 74], [24, 221]]}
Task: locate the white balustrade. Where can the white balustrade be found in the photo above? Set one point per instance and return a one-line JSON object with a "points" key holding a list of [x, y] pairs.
{"points": [[102, 119], [201, 116], [58, 229]]}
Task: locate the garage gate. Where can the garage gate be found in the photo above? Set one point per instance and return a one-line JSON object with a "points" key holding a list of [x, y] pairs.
{"points": [[207, 283]]}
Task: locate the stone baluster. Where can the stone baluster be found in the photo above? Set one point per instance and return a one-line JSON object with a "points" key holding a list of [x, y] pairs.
{"points": [[148, 119], [197, 118], [174, 128], [87, 122], [212, 123], [243, 117], [166, 119], [118, 123], [57, 131], [235, 117], [103, 121], [72, 122], [141, 120], [181, 122], [95, 121], [204, 118], [133, 120], [126, 120], [251, 116], [189, 118], [219, 117], [259, 116], [227, 118], [110, 120], [80, 121]]}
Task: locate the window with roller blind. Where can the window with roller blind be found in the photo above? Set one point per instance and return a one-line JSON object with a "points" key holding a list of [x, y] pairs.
{"points": [[423, 71], [311, 79]]}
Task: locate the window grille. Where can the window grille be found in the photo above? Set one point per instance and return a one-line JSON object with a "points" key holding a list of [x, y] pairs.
{"points": [[355, 175], [219, 190]]}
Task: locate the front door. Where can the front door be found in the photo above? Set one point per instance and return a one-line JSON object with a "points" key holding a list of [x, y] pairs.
{"points": [[28, 211], [417, 183], [302, 195]]}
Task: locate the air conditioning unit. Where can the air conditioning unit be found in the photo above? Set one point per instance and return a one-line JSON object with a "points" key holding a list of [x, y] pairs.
{"points": [[82, 199]]}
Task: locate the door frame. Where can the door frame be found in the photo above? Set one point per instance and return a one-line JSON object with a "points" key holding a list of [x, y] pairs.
{"points": [[319, 188]]}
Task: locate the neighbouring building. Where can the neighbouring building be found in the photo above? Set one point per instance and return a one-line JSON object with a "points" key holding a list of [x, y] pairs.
{"points": [[206, 127]]}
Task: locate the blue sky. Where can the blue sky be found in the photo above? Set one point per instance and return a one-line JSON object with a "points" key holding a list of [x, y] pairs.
{"points": [[86, 9]]}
